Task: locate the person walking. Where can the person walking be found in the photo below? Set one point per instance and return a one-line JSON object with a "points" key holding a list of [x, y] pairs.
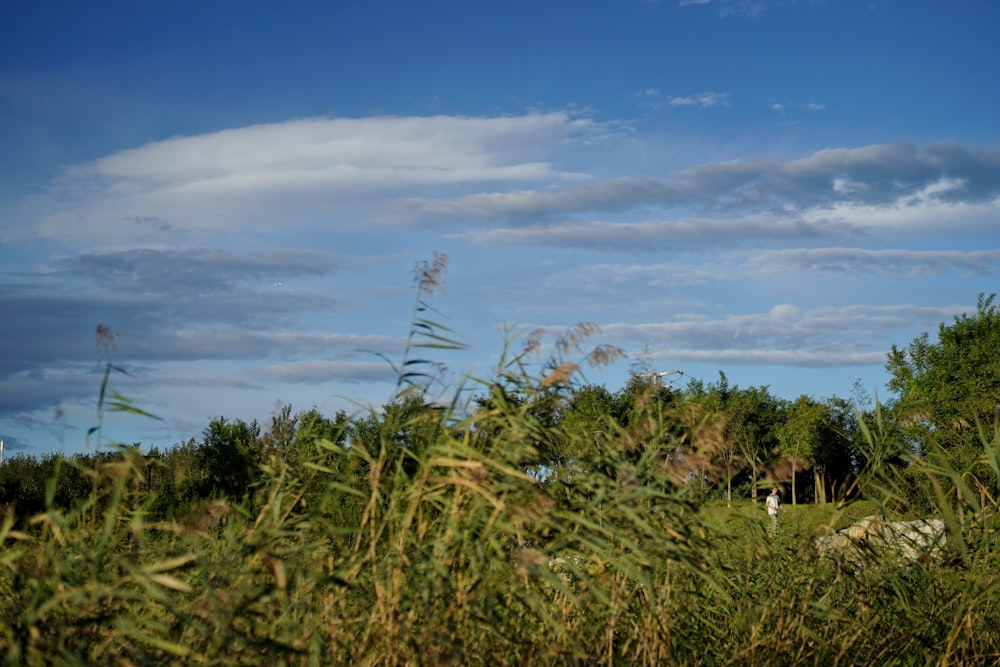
{"points": [[773, 505]]}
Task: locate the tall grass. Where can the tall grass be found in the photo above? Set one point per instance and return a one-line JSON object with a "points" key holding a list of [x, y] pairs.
{"points": [[457, 555], [456, 549]]}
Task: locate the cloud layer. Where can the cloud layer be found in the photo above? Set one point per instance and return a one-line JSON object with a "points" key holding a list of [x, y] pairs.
{"points": [[898, 175], [250, 179], [266, 258]]}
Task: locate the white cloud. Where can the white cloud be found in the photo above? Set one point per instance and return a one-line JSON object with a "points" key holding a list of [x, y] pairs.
{"points": [[337, 151], [784, 313], [924, 219], [708, 99], [781, 108], [732, 7], [609, 282], [243, 179], [653, 98], [328, 174]]}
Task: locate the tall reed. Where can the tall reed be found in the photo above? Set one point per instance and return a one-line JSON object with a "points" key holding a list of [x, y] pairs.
{"points": [[440, 535]]}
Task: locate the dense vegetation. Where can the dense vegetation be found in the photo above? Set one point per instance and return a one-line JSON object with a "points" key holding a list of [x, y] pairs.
{"points": [[530, 519]]}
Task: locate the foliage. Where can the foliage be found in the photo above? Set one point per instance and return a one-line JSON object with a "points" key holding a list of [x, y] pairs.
{"points": [[811, 438], [754, 418], [946, 387], [230, 455], [751, 419], [879, 448], [456, 554], [548, 522]]}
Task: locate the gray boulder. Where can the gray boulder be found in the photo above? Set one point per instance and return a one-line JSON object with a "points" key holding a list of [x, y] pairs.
{"points": [[907, 540]]}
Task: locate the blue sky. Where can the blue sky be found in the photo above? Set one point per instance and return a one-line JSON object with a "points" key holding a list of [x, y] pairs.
{"points": [[777, 189]]}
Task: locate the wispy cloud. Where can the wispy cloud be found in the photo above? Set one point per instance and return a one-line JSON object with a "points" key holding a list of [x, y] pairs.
{"points": [[173, 271], [171, 305], [883, 175], [732, 7], [654, 98], [655, 235], [188, 188], [709, 99], [786, 335], [736, 7], [327, 174], [782, 108], [894, 262]]}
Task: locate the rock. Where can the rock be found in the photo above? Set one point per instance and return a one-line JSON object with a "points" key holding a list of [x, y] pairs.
{"points": [[564, 566], [908, 540]]}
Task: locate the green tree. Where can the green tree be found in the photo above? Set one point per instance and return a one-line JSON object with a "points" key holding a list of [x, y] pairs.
{"points": [[810, 441], [720, 452], [643, 396], [834, 462], [22, 484], [949, 388], [588, 419], [648, 411], [631, 420], [945, 387], [278, 439], [312, 426], [403, 429], [529, 420], [186, 477], [231, 456], [750, 419], [754, 418]]}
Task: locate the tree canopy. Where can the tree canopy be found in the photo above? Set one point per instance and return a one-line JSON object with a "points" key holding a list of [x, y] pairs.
{"points": [[945, 387]]}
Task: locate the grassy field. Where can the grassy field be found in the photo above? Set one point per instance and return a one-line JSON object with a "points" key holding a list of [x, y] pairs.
{"points": [[464, 559], [805, 520], [431, 542]]}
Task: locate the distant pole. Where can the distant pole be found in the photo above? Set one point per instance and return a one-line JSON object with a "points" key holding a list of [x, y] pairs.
{"points": [[1, 452]]}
